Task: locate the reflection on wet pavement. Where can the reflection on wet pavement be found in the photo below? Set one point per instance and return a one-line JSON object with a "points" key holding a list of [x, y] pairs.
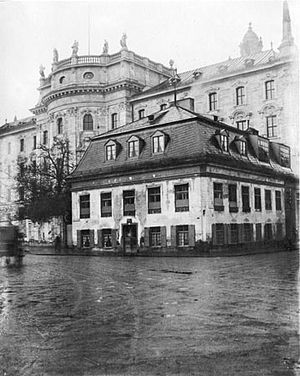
{"points": [[150, 316]]}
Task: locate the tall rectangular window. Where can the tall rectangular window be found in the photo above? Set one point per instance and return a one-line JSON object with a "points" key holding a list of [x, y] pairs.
{"points": [[218, 196], [84, 205], [220, 233], [240, 95], [279, 230], [245, 199], [182, 235], [60, 125], [106, 238], [242, 124], [34, 142], [181, 197], [155, 237], [106, 206], [154, 200], [129, 203], [278, 200], [257, 199], [45, 137], [22, 144], [114, 120], [268, 200], [212, 101], [271, 126], [232, 197], [269, 89]]}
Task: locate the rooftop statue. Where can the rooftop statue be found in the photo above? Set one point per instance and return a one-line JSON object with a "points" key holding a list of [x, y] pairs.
{"points": [[75, 48], [105, 48], [55, 56], [42, 71], [123, 41]]}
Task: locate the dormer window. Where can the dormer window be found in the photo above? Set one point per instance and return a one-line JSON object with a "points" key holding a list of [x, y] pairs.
{"points": [[158, 142], [222, 138], [110, 151], [133, 147], [263, 149], [241, 145], [224, 142], [141, 114], [240, 95], [285, 156]]}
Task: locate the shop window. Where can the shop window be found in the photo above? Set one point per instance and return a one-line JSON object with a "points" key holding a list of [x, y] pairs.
{"points": [[88, 122], [268, 231], [234, 237], [154, 200], [247, 232], [278, 200], [240, 95], [85, 238], [212, 98], [245, 199], [268, 200], [220, 234], [84, 204], [106, 238], [258, 231], [269, 89], [279, 231], [155, 236], [257, 199], [182, 235], [106, 204], [181, 198], [218, 197], [129, 203]]}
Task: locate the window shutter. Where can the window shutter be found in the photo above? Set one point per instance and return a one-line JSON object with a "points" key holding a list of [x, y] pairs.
{"points": [[114, 237], [92, 238], [173, 236], [240, 233], [99, 235], [192, 235], [214, 233], [79, 245], [163, 235], [147, 236]]}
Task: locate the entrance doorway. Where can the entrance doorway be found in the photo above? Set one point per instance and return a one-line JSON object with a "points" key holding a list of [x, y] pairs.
{"points": [[129, 234]]}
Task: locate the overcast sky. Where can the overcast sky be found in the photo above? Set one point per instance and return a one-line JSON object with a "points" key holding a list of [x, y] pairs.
{"points": [[192, 33]]}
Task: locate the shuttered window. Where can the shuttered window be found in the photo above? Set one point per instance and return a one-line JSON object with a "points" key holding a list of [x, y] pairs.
{"points": [[182, 235], [268, 231], [234, 236], [181, 197], [155, 237]]}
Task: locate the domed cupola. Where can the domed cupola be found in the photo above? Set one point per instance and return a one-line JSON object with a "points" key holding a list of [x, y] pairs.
{"points": [[251, 44]]}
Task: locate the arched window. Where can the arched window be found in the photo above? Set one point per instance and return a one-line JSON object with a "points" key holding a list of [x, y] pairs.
{"points": [[87, 122]]}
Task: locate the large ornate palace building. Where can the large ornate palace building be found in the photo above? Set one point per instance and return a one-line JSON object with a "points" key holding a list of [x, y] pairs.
{"points": [[85, 96]]}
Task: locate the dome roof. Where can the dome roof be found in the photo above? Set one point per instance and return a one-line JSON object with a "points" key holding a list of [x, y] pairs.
{"points": [[251, 44]]}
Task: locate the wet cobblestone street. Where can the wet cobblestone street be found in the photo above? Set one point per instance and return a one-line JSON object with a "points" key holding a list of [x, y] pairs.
{"points": [[76, 315]]}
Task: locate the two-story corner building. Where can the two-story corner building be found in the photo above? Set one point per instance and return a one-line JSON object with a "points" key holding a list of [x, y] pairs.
{"points": [[176, 180]]}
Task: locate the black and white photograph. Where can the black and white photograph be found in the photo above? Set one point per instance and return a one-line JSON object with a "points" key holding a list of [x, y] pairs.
{"points": [[149, 188]]}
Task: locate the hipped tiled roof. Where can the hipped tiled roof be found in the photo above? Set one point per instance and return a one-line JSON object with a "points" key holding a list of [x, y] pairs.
{"points": [[191, 140]]}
